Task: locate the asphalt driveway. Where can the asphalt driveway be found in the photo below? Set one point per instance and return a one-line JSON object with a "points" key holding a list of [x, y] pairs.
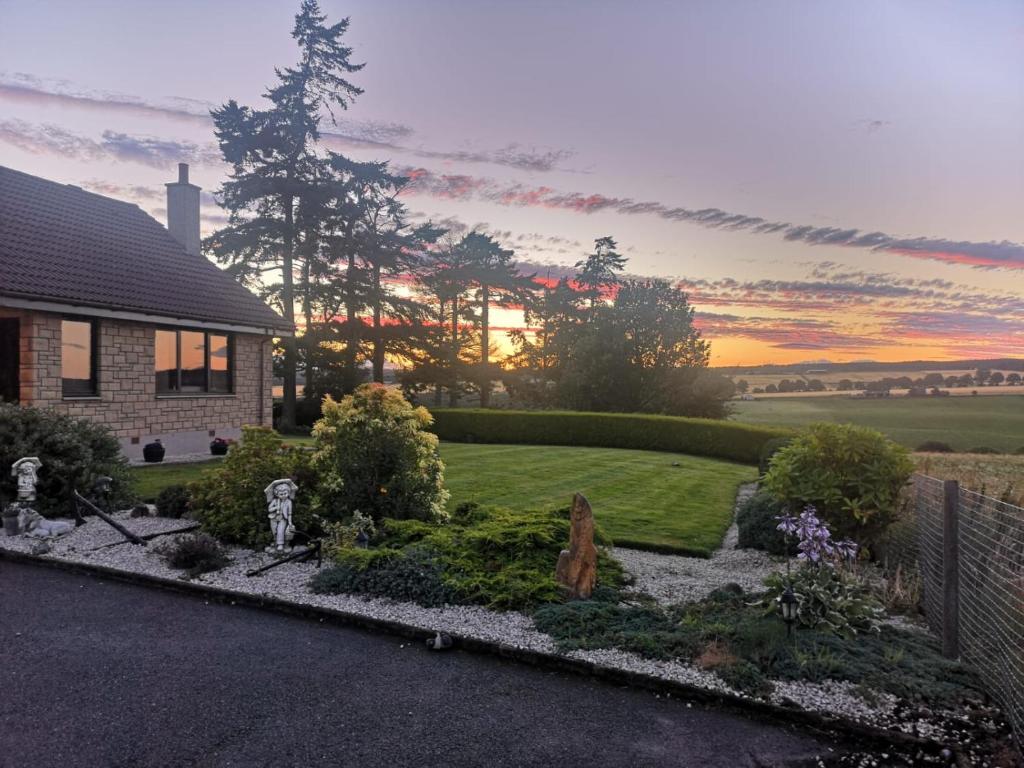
{"points": [[101, 673]]}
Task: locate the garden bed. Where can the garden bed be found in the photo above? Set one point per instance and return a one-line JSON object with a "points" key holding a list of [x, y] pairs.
{"points": [[842, 703]]}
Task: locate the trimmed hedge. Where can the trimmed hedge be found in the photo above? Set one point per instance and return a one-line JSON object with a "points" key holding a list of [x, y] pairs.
{"points": [[697, 437]]}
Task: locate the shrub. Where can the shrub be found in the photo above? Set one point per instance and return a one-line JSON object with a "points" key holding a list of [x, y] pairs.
{"points": [[229, 500], [768, 451], [487, 555], [74, 452], [852, 475], [374, 455], [934, 446], [1019, 451], [758, 526], [675, 434], [173, 501], [412, 576], [195, 554], [982, 449], [345, 535], [832, 600]]}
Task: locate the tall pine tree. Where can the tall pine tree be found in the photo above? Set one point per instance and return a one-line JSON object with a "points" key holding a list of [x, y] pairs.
{"points": [[275, 166]]}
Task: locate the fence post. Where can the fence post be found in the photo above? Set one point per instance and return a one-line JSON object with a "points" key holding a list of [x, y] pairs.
{"points": [[951, 569]]}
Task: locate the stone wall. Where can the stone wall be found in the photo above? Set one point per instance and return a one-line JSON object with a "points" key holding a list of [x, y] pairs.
{"points": [[127, 401]]}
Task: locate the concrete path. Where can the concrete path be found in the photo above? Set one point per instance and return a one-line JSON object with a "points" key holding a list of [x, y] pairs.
{"points": [[100, 673]]}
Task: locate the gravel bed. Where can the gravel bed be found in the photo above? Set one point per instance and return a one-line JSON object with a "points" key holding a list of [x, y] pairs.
{"points": [[673, 579], [664, 576]]}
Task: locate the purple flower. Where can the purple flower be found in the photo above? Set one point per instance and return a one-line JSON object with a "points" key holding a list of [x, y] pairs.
{"points": [[787, 524], [847, 549]]}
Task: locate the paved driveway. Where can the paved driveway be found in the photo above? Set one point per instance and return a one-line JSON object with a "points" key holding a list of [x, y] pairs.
{"points": [[100, 673]]}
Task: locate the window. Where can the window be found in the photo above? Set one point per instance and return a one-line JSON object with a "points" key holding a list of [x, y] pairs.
{"points": [[192, 361], [78, 353]]}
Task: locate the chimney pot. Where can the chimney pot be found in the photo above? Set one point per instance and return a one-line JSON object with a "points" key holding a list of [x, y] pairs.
{"points": [[183, 173]]}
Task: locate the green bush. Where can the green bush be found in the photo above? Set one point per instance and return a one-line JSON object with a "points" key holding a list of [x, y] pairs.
{"points": [[768, 451], [229, 500], [934, 446], [374, 455], [173, 501], [486, 555], [758, 527], [74, 452], [194, 553], [698, 437], [852, 475]]}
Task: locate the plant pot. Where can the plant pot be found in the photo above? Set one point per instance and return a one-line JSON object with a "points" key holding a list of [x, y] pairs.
{"points": [[11, 525], [219, 448], [153, 452]]}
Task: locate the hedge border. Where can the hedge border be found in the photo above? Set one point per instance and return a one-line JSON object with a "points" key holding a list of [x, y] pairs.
{"points": [[713, 438], [835, 728]]}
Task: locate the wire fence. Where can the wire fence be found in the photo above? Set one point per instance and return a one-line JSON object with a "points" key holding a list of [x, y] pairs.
{"points": [[970, 552]]}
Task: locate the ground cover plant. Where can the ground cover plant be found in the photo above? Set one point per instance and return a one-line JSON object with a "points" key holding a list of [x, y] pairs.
{"points": [[491, 556], [642, 499], [730, 634], [961, 422]]}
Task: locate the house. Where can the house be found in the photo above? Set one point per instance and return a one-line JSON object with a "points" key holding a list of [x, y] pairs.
{"points": [[105, 314]]}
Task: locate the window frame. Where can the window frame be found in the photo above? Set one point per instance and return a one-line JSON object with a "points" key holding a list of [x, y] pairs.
{"points": [[94, 358], [206, 390]]}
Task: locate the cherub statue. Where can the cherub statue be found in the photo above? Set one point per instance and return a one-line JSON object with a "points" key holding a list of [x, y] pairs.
{"points": [[27, 472], [280, 495]]}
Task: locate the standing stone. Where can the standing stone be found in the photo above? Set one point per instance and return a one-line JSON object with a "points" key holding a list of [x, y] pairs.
{"points": [[576, 571]]}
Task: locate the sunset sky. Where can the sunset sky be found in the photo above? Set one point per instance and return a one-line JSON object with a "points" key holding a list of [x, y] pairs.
{"points": [[835, 181]]}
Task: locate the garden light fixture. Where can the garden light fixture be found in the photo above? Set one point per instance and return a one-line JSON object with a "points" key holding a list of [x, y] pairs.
{"points": [[788, 604]]}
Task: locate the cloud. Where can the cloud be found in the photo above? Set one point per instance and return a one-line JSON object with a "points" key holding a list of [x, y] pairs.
{"points": [[147, 150], [989, 255], [347, 132]]}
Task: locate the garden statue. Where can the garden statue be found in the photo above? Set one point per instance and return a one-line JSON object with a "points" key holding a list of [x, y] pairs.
{"points": [[27, 472], [30, 522], [576, 571], [280, 495]]}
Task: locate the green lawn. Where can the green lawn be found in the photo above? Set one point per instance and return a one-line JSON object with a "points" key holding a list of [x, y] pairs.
{"points": [[638, 497], [995, 421]]}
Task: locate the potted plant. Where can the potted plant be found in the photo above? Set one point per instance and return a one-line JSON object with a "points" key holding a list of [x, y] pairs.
{"points": [[219, 446], [153, 452]]}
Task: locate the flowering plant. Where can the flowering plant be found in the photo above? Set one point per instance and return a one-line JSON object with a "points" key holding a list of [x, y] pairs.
{"points": [[815, 540], [830, 598]]}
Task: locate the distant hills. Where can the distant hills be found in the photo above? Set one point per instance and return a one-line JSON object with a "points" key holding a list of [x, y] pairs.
{"points": [[871, 366]]}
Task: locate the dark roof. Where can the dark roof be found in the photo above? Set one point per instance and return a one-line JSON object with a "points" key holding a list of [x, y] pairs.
{"points": [[62, 244]]}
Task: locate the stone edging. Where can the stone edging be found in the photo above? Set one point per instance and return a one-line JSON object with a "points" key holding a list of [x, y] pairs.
{"points": [[830, 727]]}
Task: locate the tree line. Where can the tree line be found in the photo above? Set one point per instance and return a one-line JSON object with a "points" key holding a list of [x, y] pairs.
{"points": [[328, 241]]}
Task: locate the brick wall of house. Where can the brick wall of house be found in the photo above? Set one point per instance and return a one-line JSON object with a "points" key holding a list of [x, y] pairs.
{"points": [[127, 401]]}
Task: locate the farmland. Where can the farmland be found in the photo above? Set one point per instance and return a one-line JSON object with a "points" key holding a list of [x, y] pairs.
{"points": [[962, 422]]}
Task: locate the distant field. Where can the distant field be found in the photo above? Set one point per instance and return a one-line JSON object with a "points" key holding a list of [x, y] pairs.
{"points": [[832, 378], [962, 422], [998, 476]]}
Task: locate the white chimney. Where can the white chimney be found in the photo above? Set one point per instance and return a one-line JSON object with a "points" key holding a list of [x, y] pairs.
{"points": [[183, 211]]}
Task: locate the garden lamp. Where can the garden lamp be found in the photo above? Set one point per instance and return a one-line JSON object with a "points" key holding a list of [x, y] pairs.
{"points": [[362, 540], [788, 604], [101, 489]]}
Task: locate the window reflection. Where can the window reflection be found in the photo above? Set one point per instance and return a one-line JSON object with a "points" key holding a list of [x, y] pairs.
{"points": [[77, 363], [192, 361]]}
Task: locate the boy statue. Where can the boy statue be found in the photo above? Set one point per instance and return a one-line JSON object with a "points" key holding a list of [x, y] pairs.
{"points": [[280, 495]]}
